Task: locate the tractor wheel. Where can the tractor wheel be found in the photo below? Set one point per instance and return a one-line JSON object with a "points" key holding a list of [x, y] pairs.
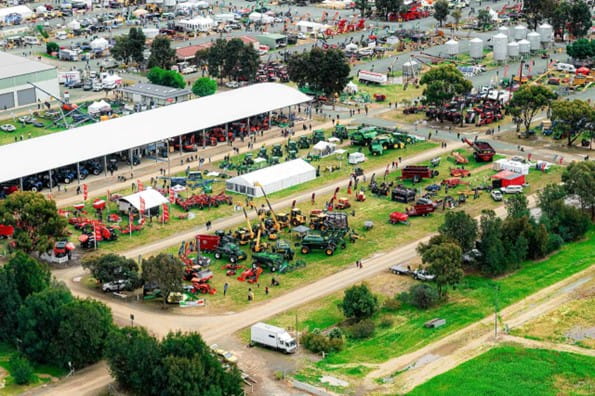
{"points": [[329, 251], [34, 189], [323, 228], [233, 259], [312, 226], [67, 180], [435, 173], [218, 255], [305, 250], [96, 171]]}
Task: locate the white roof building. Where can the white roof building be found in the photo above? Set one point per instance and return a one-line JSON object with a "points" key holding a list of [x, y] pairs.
{"points": [[22, 10], [274, 178], [139, 129], [152, 199]]}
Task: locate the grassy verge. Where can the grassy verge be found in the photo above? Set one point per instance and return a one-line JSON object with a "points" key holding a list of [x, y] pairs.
{"points": [[511, 370], [570, 324], [43, 373]]}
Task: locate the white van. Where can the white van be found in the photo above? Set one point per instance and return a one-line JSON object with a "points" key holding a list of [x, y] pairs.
{"points": [[356, 158], [565, 67], [512, 189], [31, 40]]}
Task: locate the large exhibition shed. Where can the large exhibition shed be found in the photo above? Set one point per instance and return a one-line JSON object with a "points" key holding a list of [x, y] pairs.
{"points": [[274, 178]]}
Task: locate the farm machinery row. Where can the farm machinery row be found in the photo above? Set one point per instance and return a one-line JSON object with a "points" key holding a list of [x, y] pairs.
{"points": [[378, 140], [472, 109], [202, 201]]}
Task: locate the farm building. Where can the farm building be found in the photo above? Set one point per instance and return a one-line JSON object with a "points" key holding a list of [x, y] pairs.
{"points": [[16, 72], [274, 178], [507, 178], [152, 94]]}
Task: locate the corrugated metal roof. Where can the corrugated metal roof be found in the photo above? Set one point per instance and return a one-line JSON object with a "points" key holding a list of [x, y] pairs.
{"points": [[12, 65], [155, 90], [53, 151]]}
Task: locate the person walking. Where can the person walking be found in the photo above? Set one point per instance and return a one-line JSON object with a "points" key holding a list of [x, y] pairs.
{"points": [[225, 287], [250, 295], [266, 290]]}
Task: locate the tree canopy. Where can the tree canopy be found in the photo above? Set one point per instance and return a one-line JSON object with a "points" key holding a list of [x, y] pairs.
{"points": [[484, 19], [517, 206], [166, 271], [443, 83], [440, 11], [359, 302], [579, 179], [110, 267], [162, 55], [384, 7], [168, 78], [129, 47], [444, 261], [231, 59], [181, 365], [581, 49], [579, 18], [461, 228], [528, 100], [35, 219], [573, 117], [204, 86], [321, 70]]}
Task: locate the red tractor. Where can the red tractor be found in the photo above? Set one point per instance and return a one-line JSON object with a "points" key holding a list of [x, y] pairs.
{"points": [[398, 218], [422, 207], [453, 182], [251, 275], [200, 282], [342, 203]]}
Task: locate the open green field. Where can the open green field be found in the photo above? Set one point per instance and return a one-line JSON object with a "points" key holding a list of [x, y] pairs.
{"points": [[382, 237], [43, 373], [156, 231], [470, 302], [511, 370]]}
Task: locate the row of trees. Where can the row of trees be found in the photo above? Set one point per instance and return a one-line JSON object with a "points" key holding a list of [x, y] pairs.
{"points": [[129, 48], [581, 49], [230, 59]]}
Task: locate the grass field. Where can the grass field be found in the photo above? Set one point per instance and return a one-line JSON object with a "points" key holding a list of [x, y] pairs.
{"points": [[572, 323], [510, 370], [43, 373], [470, 302]]}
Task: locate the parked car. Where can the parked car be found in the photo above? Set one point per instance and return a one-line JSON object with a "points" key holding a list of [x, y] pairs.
{"points": [[400, 269], [423, 275], [225, 355], [8, 127], [117, 285], [87, 85], [512, 189], [496, 195]]}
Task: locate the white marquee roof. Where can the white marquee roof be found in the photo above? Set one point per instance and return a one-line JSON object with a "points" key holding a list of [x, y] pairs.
{"points": [[152, 199], [53, 151], [273, 174]]}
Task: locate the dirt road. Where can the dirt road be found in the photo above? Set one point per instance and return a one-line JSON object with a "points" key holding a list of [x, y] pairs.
{"points": [[447, 353]]}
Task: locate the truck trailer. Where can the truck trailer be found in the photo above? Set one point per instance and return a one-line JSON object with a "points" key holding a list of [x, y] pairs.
{"points": [[272, 337]]}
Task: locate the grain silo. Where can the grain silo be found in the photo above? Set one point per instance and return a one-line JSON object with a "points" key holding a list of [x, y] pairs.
{"points": [[476, 48], [500, 42], [546, 32], [524, 47], [520, 32], [452, 47], [505, 31], [513, 49], [535, 40]]}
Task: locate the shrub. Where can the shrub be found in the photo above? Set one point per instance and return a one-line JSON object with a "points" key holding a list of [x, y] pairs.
{"points": [[362, 329], [317, 342], [386, 322], [52, 47], [21, 370], [204, 86], [359, 302], [420, 296], [554, 243], [335, 333], [391, 304]]}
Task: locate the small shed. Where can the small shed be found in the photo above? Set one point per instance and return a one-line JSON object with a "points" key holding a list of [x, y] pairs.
{"points": [[507, 178], [153, 200], [323, 149], [272, 40], [274, 178]]}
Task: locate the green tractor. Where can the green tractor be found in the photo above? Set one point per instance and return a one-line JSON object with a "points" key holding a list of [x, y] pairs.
{"points": [[291, 155], [291, 146], [273, 160], [303, 142], [283, 247], [404, 138], [272, 261], [230, 251], [328, 242], [363, 136], [277, 151], [317, 136], [342, 132], [248, 160], [262, 153], [382, 143]]}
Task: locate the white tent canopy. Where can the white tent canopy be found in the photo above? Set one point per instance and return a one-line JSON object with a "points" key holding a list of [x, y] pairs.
{"points": [[99, 44], [323, 149], [152, 199], [274, 178], [22, 10], [263, 18], [72, 146], [74, 25], [200, 24], [98, 107]]}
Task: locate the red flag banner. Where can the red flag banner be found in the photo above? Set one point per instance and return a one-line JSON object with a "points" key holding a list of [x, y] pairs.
{"points": [[85, 192], [142, 206], [165, 213], [140, 185], [172, 196]]}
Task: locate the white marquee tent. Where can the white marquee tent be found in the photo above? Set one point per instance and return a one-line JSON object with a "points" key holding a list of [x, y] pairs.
{"points": [[324, 149], [152, 199], [22, 10], [98, 107], [99, 44], [274, 178], [74, 25]]}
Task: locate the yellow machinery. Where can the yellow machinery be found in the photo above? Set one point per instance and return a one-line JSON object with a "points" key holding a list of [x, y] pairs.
{"points": [[244, 234]]}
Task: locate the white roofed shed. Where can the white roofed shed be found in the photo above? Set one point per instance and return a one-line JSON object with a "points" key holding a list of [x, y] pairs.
{"points": [[153, 199], [274, 178]]}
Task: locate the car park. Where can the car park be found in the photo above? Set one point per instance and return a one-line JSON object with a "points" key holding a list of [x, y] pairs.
{"points": [[115, 286]]}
